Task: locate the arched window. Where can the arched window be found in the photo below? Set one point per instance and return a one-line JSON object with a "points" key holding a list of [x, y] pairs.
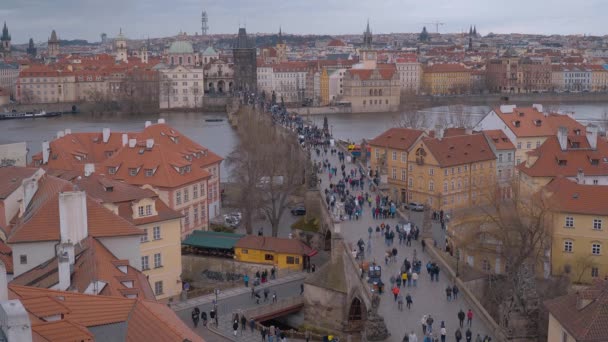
{"points": [[355, 312], [371, 92], [445, 186], [364, 102], [380, 92]]}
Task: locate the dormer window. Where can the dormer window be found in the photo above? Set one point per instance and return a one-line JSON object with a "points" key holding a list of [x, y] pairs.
{"points": [[132, 171], [188, 157], [112, 170], [576, 144], [108, 188], [188, 168], [517, 123], [577, 131], [595, 162], [149, 172], [562, 162]]}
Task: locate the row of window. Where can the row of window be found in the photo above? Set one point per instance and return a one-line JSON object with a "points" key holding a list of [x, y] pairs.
{"points": [[374, 102], [528, 145], [144, 211], [186, 193], [596, 247], [155, 234], [597, 223], [195, 215], [145, 261]]}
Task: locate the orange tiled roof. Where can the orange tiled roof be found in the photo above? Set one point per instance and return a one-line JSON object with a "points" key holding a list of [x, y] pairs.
{"points": [[274, 244], [550, 154], [144, 320], [586, 324], [529, 125], [569, 196], [11, 178], [336, 43], [459, 150], [61, 331], [499, 139], [41, 220], [397, 138]]}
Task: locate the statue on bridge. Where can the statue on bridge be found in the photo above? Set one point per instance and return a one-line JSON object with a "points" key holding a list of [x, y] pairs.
{"points": [[375, 327]]}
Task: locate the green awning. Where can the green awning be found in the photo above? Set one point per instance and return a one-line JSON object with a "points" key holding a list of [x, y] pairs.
{"points": [[215, 240]]}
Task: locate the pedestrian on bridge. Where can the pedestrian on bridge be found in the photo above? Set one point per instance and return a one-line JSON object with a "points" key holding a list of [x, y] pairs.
{"points": [[408, 301], [195, 316], [263, 332]]}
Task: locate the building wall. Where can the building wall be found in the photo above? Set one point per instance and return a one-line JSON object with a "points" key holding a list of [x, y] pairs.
{"points": [[409, 76], [385, 94], [449, 188], [213, 192], [182, 200], [397, 168], [13, 154], [169, 246], [181, 87], [557, 332], [442, 83], [8, 77], [46, 89], [245, 69], [324, 80], [269, 258], [36, 252], [582, 235], [125, 248]]}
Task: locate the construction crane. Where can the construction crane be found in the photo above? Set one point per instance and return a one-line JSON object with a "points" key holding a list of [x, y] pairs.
{"points": [[437, 24]]}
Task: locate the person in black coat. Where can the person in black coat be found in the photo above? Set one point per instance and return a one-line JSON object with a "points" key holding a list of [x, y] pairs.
{"points": [[195, 316]]}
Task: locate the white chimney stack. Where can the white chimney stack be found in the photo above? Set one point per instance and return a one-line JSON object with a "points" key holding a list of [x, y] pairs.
{"points": [[125, 139], [132, 143], [106, 135], [73, 220], [149, 144], [161, 121], [148, 124], [438, 132], [562, 137], [15, 321], [60, 134], [30, 186], [68, 131], [580, 176], [89, 169], [46, 150], [3, 283], [65, 272], [592, 136], [538, 107], [507, 109]]}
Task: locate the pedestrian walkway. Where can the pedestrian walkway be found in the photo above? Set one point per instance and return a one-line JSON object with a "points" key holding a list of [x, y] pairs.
{"points": [[428, 297], [236, 291]]}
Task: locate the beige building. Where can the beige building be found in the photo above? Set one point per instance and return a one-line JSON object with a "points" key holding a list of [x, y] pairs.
{"points": [[181, 87], [372, 90], [410, 74], [43, 84]]}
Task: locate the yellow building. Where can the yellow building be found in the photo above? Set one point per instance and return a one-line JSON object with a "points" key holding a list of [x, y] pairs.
{"points": [[324, 80], [396, 144], [442, 79], [579, 235], [599, 78], [451, 173], [283, 253], [160, 245], [579, 316]]}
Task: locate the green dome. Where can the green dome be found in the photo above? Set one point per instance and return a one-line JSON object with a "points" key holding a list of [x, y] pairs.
{"points": [[181, 47]]}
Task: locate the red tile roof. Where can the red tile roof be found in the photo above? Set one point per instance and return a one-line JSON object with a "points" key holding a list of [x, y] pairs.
{"points": [[459, 150], [499, 139], [274, 244], [445, 68], [587, 323], [533, 123], [11, 178], [569, 196], [335, 43], [397, 138], [385, 73], [41, 220], [144, 320], [550, 154]]}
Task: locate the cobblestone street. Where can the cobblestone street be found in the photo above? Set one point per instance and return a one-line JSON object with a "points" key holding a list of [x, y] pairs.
{"points": [[428, 297]]}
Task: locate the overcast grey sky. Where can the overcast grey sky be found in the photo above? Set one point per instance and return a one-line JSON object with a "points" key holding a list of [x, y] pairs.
{"points": [[86, 19]]}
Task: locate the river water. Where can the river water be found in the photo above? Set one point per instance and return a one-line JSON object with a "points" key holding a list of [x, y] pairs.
{"points": [[221, 138]]}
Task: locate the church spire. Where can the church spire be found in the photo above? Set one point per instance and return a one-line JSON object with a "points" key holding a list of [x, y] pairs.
{"points": [[367, 37], [280, 39], [5, 35]]}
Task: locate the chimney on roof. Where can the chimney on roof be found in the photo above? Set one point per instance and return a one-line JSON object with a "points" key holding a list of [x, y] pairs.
{"points": [[439, 132], [125, 139], [60, 134], [89, 169], [68, 131], [507, 109], [147, 124], [562, 137], [538, 107], [15, 321], [592, 136], [30, 186], [3, 283], [73, 221], [149, 144], [580, 176], [161, 121], [132, 143], [106, 135], [46, 150], [65, 256]]}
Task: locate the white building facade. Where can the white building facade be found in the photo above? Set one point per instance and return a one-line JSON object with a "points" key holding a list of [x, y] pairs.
{"points": [[410, 74], [181, 87]]}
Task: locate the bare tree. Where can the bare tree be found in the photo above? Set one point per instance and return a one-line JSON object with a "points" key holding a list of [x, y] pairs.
{"points": [[458, 117], [27, 96], [268, 166], [414, 119]]}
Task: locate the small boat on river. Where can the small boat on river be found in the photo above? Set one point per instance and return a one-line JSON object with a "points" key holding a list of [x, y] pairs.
{"points": [[27, 115]]}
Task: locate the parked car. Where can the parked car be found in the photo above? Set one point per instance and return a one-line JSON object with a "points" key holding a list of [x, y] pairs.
{"points": [[231, 221], [298, 211], [413, 206]]}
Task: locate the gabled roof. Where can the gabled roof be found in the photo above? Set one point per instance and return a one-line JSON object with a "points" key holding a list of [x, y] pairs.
{"points": [[41, 219], [274, 244], [569, 196], [588, 323], [529, 122], [553, 162], [397, 138], [459, 150], [93, 263], [145, 320], [499, 139]]}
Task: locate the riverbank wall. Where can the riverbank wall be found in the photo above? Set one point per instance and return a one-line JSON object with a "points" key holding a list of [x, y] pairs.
{"points": [[473, 100]]}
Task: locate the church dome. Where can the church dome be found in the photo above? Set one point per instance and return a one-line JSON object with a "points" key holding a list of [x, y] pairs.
{"points": [[181, 47]]}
